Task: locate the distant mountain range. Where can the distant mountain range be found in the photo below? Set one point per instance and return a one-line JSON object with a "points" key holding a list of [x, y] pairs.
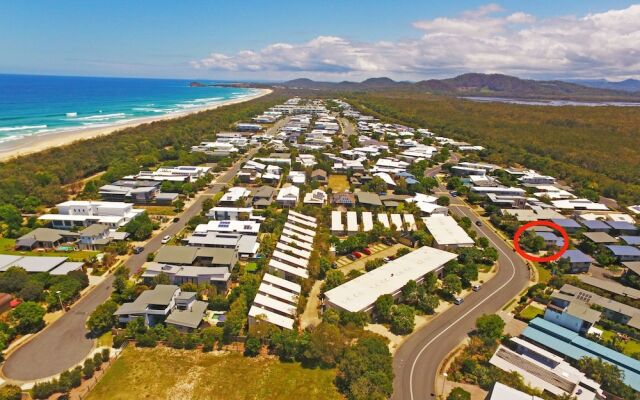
{"points": [[628, 85], [474, 84]]}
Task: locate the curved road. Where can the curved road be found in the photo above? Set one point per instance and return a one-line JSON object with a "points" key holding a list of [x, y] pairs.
{"points": [[416, 362]]}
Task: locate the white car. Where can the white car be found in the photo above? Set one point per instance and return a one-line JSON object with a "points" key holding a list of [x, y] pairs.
{"points": [[458, 301], [166, 239]]}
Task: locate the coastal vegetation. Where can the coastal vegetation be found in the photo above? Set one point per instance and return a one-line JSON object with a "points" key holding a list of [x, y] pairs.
{"points": [[43, 179], [592, 148]]}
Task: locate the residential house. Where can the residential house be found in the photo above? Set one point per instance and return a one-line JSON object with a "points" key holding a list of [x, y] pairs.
{"points": [[319, 175], [288, 196], [262, 197], [81, 213], [315, 197], [94, 237], [625, 253], [578, 261], [369, 199], [346, 199], [45, 238]]}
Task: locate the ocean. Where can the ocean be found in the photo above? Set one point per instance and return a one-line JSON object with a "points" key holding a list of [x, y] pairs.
{"points": [[31, 105]]}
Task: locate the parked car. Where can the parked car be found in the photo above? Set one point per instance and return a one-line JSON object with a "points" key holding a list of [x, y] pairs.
{"points": [[458, 301], [387, 259], [388, 242], [351, 257], [478, 223], [138, 249], [176, 219], [366, 251], [454, 193], [475, 288], [166, 239], [356, 254]]}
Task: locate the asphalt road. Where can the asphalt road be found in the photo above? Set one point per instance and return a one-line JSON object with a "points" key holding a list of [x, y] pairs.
{"points": [[416, 362], [66, 342]]}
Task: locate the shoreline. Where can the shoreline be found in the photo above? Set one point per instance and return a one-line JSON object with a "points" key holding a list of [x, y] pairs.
{"points": [[38, 142]]}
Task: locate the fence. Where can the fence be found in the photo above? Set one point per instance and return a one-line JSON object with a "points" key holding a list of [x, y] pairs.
{"points": [[82, 392]]}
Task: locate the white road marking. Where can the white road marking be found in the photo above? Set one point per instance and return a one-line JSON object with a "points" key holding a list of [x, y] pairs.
{"points": [[513, 274]]}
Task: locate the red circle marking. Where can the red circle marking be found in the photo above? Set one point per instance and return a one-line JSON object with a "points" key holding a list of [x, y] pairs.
{"points": [[553, 257]]}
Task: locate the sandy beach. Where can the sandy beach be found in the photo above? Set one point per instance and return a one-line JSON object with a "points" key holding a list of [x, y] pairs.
{"points": [[38, 142]]}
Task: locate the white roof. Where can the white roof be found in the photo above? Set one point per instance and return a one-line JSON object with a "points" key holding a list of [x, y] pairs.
{"points": [[301, 253], [336, 221], [446, 231], [288, 193], [275, 292], [282, 283], [367, 221], [302, 216], [580, 204], [66, 267], [504, 392], [396, 219], [352, 221], [297, 235], [295, 261], [410, 222], [296, 228], [384, 219], [275, 304], [360, 293], [386, 178], [300, 272], [297, 243], [271, 317], [299, 221]]}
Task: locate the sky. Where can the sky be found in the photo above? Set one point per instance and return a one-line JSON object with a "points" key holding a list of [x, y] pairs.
{"points": [[323, 40]]}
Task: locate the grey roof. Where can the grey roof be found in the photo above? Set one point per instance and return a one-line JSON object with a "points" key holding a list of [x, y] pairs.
{"points": [[66, 267], [32, 264], [610, 286], [622, 225], [47, 235], [219, 255], [160, 295], [600, 237], [176, 255], [576, 256], [596, 225], [632, 240], [619, 250], [264, 192], [190, 318], [581, 310], [634, 266], [369, 198], [569, 292], [93, 230], [167, 196]]}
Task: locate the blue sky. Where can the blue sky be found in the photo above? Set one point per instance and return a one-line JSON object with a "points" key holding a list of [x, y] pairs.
{"points": [[325, 39]]}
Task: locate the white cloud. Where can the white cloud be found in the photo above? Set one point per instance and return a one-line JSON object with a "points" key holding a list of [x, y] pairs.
{"points": [[486, 39]]}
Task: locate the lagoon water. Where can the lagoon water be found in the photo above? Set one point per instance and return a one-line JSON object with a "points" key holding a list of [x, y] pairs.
{"points": [[32, 105]]}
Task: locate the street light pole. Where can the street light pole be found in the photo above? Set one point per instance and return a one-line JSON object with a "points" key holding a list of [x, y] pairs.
{"points": [[60, 299]]}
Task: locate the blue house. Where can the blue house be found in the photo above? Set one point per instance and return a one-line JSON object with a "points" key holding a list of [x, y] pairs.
{"points": [[625, 253], [623, 227], [569, 225], [596, 226]]}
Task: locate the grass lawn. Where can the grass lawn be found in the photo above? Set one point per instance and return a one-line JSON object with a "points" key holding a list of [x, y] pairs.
{"points": [[530, 313], [251, 267], [7, 245], [164, 373], [630, 346], [544, 275], [106, 339], [159, 210], [338, 183]]}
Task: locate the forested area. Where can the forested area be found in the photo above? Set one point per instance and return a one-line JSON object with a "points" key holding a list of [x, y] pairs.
{"points": [[35, 180], [589, 147]]}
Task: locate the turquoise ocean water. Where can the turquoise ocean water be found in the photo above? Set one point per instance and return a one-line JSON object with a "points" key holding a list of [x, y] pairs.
{"points": [[41, 104]]}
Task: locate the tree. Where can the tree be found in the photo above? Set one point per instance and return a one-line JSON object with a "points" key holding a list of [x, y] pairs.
{"points": [[459, 394], [606, 374], [10, 392], [365, 372], [403, 319], [428, 303], [161, 279], [88, 368], [333, 279], [326, 345], [383, 307], [102, 319], [32, 291], [489, 327], [252, 346], [451, 285], [430, 282], [443, 201], [13, 280], [28, 317], [140, 227]]}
